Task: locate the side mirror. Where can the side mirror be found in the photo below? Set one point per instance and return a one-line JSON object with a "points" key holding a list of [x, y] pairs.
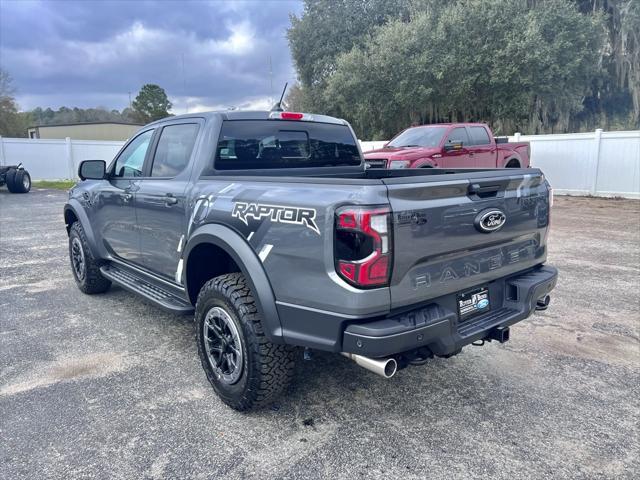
{"points": [[453, 146], [92, 170]]}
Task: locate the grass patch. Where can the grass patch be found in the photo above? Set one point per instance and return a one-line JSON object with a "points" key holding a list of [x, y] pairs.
{"points": [[55, 184]]}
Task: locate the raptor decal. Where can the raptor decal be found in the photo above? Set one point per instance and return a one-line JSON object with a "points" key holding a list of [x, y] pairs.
{"points": [[276, 213]]}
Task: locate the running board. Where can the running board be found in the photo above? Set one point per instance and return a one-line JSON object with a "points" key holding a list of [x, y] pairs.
{"points": [[137, 283]]}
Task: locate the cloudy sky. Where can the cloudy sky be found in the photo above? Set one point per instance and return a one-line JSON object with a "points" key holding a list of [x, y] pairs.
{"points": [[93, 53]]}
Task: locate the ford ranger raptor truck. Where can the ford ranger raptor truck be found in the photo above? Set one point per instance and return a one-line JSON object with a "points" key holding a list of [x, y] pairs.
{"points": [[269, 227]]}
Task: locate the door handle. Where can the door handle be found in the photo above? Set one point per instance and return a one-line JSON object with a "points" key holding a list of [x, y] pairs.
{"points": [[169, 200], [126, 196], [485, 191]]}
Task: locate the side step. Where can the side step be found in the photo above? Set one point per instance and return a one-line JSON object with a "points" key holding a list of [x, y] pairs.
{"points": [[138, 283]]}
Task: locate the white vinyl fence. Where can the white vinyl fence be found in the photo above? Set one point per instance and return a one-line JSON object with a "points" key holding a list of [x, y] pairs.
{"points": [[600, 163], [366, 146], [54, 159], [596, 163]]}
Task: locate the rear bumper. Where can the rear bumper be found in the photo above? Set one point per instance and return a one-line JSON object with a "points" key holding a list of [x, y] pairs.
{"points": [[436, 325]]}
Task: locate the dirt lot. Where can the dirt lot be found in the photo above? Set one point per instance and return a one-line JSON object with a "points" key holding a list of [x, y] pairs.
{"points": [[108, 386]]}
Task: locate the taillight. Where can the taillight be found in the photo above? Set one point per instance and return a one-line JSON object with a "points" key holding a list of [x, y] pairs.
{"points": [[363, 245]]}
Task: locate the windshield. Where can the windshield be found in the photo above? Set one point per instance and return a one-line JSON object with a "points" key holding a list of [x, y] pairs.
{"points": [[419, 137]]}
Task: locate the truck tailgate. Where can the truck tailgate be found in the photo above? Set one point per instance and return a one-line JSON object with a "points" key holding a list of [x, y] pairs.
{"points": [[439, 245]]}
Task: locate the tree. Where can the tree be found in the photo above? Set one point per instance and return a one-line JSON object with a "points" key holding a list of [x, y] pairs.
{"points": [[80, 115], [328, 28], [151, 104], [128, 115], [295, 100], [615, 95], [530, 65], [455, 61], [12, 122]]}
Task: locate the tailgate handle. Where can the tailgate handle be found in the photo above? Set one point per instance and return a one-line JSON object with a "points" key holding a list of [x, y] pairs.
{"points": [[484, 191]]}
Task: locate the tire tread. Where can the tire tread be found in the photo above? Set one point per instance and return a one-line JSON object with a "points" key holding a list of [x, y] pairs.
{"points": [[94, 281], [9, 178], [273, 368]]}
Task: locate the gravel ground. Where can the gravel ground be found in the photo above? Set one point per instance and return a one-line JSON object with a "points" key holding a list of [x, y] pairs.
{"points": [[110, 387]]}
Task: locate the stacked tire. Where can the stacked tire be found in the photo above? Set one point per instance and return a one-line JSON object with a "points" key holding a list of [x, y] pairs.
{"points": [[18, 181]]}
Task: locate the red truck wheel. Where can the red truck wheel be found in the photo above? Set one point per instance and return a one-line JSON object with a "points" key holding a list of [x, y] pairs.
{"points": [[513, 163]]}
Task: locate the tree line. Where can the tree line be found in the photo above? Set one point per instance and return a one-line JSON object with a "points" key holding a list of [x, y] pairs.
{"points": [[535, 66], [150, 104]]}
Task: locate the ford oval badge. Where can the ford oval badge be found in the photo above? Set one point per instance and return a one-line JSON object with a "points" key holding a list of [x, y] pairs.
{"points": [[489, 221], [483, 304]]}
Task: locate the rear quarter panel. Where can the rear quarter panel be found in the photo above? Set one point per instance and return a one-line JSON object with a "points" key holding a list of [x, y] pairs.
{"points": [[297, 255], [507, 151]]}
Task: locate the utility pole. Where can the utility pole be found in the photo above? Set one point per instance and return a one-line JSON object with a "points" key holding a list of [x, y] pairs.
{"points": [[270, 81], [129, 99], [184, 87]]}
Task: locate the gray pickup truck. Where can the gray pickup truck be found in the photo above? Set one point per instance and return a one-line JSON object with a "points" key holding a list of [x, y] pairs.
{"points": [[270, 227]]}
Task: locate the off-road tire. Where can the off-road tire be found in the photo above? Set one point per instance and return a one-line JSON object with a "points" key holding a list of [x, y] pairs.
{"points": [[17, 184], [93, 281], [9, 179], [267, 368]]}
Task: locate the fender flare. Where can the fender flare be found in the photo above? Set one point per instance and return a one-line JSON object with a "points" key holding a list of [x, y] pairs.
{"points": [[75, 207], [250, 266]]}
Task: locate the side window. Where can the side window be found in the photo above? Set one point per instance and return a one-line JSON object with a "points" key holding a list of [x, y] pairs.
{"points": [[479, 136], [174, 149], [458, 134], [131, 160]]}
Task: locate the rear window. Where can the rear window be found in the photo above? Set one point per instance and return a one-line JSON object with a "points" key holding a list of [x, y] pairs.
{"points": [[479, 136], [257, 144]]}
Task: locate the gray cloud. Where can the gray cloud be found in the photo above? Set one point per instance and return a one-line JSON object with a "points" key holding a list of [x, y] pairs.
{"points": [[92, 53]]}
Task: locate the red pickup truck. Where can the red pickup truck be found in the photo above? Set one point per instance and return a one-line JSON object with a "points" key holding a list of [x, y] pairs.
{"points": [[449, 145]]}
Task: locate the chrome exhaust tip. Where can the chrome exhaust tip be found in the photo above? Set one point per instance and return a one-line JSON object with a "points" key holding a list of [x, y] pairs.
{"points": [[385, 367], [543, 303]]}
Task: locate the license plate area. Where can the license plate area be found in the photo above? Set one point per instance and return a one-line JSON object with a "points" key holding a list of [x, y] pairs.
{"points": [[473, 303]]}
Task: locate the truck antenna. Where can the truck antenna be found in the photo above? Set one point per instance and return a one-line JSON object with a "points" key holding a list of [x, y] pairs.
{"points": [[278, 106]]}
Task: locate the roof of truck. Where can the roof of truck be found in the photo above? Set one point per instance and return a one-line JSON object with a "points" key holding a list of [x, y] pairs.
{"points": [[250, 115], [446, 124]]}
